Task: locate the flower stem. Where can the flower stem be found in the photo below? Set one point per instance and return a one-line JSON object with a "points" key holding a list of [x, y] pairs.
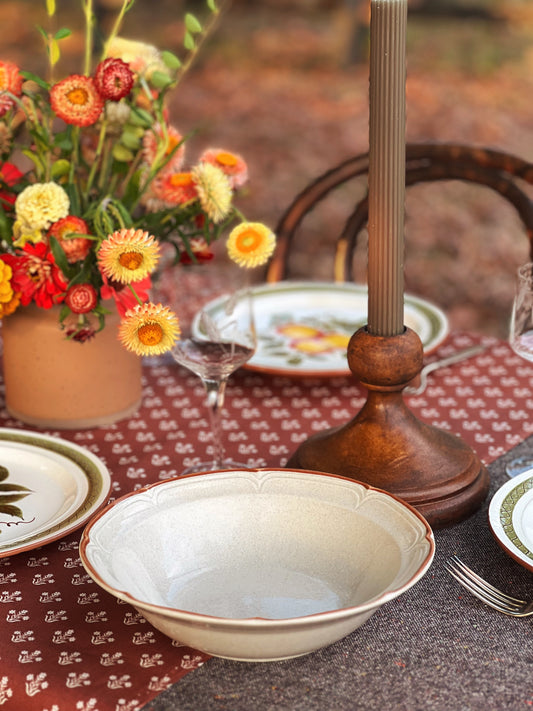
{"points": [[88, 10], [98, 155], [126, 6], [74, 162], [139, 300]]}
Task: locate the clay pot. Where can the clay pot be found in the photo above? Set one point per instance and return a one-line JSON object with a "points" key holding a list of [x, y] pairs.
{"points": [[53, 382]]}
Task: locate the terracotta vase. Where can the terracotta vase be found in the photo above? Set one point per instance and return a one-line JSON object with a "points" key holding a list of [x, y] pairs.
{"points": [[57, 383]]}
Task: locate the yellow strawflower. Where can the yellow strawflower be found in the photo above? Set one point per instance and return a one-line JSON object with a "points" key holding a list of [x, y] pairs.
{"points": [[149, 329], [251, 244]]}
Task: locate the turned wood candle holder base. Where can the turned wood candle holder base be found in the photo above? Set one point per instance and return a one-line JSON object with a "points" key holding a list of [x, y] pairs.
{"points": [[386, 446]]}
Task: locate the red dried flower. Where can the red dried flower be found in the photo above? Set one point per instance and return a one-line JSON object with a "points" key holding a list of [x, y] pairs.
{"points": [[124, 298], [175, 188], [200, 249], [82, 335], [9, 176], [231, 164], [113, 79], [36, 276], [76, 100], [75, 248], [81, 298]]}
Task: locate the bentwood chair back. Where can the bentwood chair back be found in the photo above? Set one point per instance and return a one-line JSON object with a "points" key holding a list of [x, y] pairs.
{"points": [[506, 174]]}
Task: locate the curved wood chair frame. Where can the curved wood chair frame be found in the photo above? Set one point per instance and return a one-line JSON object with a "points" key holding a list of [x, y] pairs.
{"points": [[427, 162]]}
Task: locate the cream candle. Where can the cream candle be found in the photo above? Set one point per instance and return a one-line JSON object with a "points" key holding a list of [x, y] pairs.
{"points": [[386, 175]]}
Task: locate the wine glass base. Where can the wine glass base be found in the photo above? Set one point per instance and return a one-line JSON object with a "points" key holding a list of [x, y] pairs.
{"points": [[519, 465], [213, 467]]}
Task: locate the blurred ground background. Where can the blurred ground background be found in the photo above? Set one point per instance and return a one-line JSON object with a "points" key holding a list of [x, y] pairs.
{"points": [[285, 83]]}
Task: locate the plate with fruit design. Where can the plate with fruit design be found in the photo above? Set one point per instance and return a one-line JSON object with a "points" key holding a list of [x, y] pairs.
{"points": [[303, 328]]}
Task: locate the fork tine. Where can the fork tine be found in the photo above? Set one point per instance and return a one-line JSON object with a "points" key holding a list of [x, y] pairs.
{"points": [[484, 585], [485, 588], [479, 592]]}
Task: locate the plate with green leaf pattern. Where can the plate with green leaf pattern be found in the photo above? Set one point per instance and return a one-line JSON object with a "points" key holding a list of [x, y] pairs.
{"points": [[48, 488], [511, 518], [303, 327]]}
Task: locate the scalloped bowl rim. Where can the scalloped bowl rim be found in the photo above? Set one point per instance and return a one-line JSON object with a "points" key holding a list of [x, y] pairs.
{"points": [[346, 617]]}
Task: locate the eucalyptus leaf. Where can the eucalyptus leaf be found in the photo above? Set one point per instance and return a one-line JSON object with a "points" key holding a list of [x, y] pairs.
{"points": [[130, 139], [122, 154], [60, 168], [192, 24], [50, 7], [188, 41], [170, 60], [161, 80], [140, 117], [211, 4]]}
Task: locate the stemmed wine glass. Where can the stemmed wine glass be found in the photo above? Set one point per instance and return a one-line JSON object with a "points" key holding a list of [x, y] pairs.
{"points": [[521, 340], [218, 340]]}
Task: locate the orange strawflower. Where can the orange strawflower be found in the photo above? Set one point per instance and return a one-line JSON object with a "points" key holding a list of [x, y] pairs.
{"points": [[128, 256], [76, 100], [231, 164]]}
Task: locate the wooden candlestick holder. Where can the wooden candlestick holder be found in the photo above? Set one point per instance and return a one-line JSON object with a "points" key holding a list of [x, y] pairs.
{"points": [[386, 446]]}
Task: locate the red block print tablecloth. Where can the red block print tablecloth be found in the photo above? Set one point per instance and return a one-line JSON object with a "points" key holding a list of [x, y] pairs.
{"points": [[66, 645]]}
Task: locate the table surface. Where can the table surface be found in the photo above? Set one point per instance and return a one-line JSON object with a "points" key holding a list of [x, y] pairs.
{"points": [[67, 644], [436, 648]]}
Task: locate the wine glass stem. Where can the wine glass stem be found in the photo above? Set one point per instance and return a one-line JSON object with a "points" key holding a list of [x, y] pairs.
{"points": [[216, 390]]}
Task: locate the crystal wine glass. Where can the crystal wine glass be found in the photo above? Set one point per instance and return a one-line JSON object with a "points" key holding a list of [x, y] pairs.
{"points": [[521, 340], [218, 340]]}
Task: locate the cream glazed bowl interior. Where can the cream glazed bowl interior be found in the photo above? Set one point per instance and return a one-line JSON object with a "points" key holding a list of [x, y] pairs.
{"points": [[257, 565]]}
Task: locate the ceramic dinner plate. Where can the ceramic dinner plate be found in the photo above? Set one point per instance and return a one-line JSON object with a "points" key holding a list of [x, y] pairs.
{"points": [[303, 328], [511, 518], [48, 488]]}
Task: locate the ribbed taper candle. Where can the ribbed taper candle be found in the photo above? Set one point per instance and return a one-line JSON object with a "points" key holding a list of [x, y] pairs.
{"points": [[386, 175]]}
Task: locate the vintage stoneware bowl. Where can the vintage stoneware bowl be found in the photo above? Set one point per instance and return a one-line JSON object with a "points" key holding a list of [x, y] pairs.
{"points": [[257, 565]]}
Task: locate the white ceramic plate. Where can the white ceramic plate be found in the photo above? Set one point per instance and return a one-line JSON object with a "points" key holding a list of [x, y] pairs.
{"points": [[64, 485], [303, 328], [511, 518]]}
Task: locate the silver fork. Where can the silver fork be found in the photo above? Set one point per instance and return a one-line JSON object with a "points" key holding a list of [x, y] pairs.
{"points": [[486, 592], [449, 360]]}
